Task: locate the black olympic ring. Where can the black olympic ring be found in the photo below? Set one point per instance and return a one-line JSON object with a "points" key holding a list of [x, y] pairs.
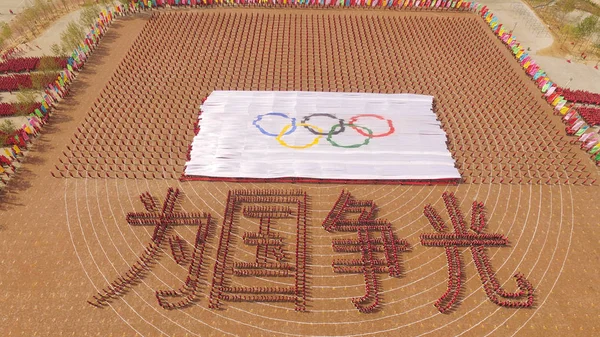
{"points": [[341, 123]]}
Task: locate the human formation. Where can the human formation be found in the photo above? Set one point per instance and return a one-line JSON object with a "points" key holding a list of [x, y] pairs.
{"points": [[472, 115], [375, 241]]}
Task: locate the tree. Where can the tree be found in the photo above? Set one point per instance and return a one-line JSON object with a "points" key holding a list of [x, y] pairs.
{"points": [[39, 80], [26, 99], [587, 26], [57, 50], [42, 8], [72, 36], [564, 8], [8, 127], [566, 31], [29, 18], [52, 6], [48, 64], [64, 3], [5, 31], [89, 14], [567, 5]]}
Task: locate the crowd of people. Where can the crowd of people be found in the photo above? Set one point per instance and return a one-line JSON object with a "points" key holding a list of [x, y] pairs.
{"points": [[221, 292], [11, 109], [580, 96], [136, 5], [56, 88], [161, 221], [15, 82], [591, 115], [477, 243], [365, 226], [27, 64]]}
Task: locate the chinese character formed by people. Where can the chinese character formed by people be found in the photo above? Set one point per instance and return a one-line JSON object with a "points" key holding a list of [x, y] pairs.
{"points": [[477, 242], [163, 219], [269, 208], [366, 243]]}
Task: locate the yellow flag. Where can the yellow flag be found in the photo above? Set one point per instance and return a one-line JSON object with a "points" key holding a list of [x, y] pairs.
{"points": [[8, 153], [556, 100], [16, 148]]}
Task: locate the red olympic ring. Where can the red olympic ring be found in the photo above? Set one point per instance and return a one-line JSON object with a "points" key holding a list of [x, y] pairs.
{"points": [[389, 121]]}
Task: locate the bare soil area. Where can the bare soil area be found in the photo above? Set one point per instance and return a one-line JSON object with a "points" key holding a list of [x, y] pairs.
{"points": [[125, 130]]}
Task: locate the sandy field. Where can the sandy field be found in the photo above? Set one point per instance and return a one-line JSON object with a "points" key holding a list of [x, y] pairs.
{"points": [[125, 130]]}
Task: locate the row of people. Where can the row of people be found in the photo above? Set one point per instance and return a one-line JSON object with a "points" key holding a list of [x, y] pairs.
{"points": [[262, 272], [370, 301], [11, 109], [27, 64], [137, 5], [478, 220], [450, 297], [434, 218], [580, 96], [455, 213], [523, 165], [190, 289], [17, 82], [260, 290], [131, 277], [494, 290], [178, 250], [591, 115], [532, 181], [258, 298]]}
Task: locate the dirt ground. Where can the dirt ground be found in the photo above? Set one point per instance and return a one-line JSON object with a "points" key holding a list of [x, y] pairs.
{"points": [[65, 239]]}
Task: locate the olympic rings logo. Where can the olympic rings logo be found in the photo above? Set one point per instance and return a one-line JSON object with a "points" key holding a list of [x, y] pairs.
{"points": [[339, 127]]}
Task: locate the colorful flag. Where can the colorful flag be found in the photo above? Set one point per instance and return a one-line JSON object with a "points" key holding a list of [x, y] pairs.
{"points": [[9, 154]]}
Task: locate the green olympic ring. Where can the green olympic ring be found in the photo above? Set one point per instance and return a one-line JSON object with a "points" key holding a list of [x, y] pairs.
{"points": [[353, 126]]}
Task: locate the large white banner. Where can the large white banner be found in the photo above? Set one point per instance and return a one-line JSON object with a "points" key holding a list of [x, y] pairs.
{"points": [[275, 134]]}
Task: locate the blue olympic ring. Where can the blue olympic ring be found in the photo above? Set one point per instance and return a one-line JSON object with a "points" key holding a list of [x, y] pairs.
{"points": [[264, 132]]}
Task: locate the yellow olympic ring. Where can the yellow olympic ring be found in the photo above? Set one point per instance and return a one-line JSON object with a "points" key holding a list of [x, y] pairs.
{"points": [[287, 127]]}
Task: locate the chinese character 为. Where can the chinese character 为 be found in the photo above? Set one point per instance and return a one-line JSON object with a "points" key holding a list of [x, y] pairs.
{"points": [[163, 219]]}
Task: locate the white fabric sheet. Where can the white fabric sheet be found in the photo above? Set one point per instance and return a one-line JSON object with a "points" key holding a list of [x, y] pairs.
{"points": [[401, 138]]}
